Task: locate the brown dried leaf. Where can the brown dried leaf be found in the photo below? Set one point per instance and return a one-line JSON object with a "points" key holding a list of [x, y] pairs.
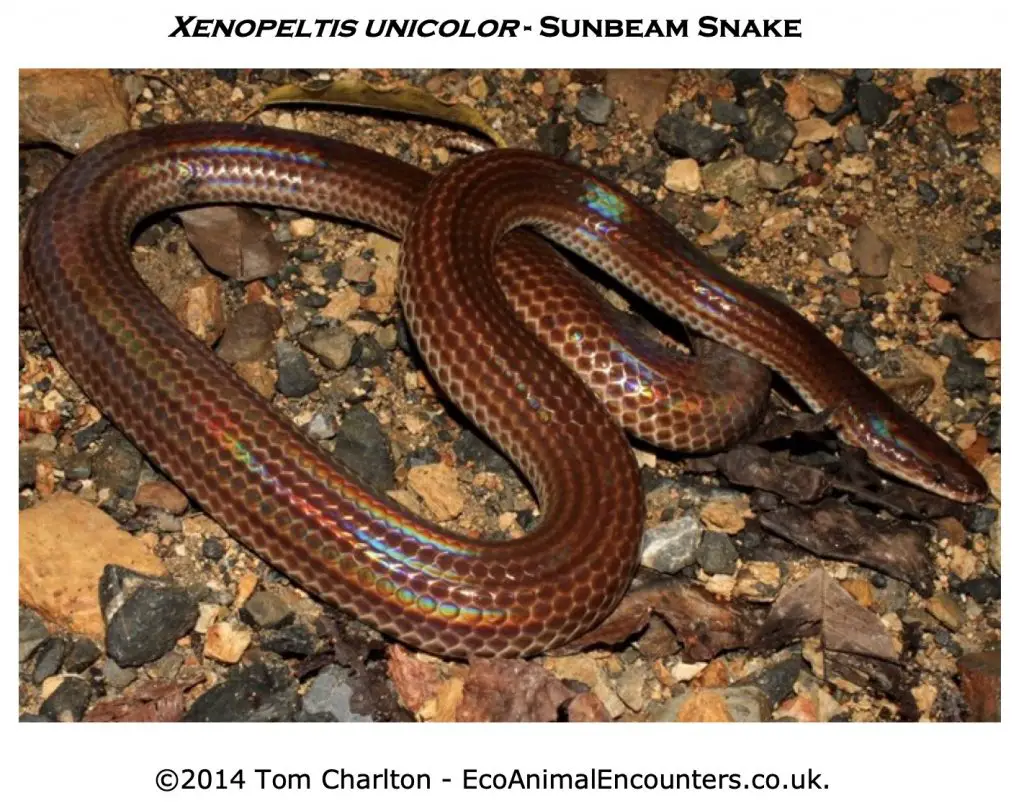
{"points": [[152, 701], [835, 530], [784, 424], [886, 678], [703, 624], [233, 241], [354, 92], [751, 466], [819, 605]]}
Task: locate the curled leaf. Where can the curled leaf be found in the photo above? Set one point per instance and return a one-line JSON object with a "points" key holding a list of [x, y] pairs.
{"points": [[354, 92]]}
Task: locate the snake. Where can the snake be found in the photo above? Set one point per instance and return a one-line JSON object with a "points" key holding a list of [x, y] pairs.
{"points": [[465, 232]]}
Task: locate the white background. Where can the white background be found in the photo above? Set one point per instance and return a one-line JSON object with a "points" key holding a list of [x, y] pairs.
{"points": [[865, 766]]}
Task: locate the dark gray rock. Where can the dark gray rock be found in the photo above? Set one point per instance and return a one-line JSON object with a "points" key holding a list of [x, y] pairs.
{"points": [[117, 464], [471, 449], [69, 701], [717, 553], [116, 676], [769, 133], [943, 89], [671, 546], [78, 467], [874, 104], [728, 112], [362, 447], [31, 632], [89, 434], [145, 616], [49, 658], [262, 691], [294, 377], [683, 137], [927, 192], [553, 138], [777, 681], [368, 354], [293, 640], [27, 458], [266, 610]]}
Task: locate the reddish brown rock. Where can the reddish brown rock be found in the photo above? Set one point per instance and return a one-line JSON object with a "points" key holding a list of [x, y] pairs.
{"points": [[74, 109], [962, 119], [979, 682], [643, 92], [163, 496]]}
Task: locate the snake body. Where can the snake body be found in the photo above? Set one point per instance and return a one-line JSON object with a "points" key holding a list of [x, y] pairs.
{"points": [[280, 494]]}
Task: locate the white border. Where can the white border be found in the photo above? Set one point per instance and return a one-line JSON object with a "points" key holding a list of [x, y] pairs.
{"points": [[950, 766]]}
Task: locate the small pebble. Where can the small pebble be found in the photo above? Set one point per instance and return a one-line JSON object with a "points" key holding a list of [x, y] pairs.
{"points": [[266, 610], [213, 549], [724, 111], [671, 546], [69, 701], [771, 133], [31, 632], [874, 104], [681, 136], [594, 107], [292, 640], [116, 676], [49, 658], [717, 553], [331, 345], [295, 378], [362, 446], [331, 693]]}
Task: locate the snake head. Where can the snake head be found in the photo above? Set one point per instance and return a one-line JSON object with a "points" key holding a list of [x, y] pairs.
{"points": [[901, 445]]}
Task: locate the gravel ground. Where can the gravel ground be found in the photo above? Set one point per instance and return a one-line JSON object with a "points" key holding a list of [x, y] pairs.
{"points": [[869, 200]]}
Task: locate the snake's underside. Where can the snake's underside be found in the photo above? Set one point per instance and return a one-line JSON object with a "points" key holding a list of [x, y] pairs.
{"points": [[281, 495]]}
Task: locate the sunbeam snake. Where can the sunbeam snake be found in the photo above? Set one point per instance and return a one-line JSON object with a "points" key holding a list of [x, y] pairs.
{"points": [[281, 495]]}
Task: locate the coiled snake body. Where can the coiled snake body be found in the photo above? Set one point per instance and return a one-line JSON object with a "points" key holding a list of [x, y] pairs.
{"points": [[280, 494]]}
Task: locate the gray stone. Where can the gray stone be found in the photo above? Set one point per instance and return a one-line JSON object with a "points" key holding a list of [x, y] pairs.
{"points": [[31, 633], [717, 553], [116, 676], [117, 465], [331, 345], [331, 693], [671, 546], [594, 107], [362, 447], [294, 377], [735, 178], [266, 610], [775, 177], [322, 426]]}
